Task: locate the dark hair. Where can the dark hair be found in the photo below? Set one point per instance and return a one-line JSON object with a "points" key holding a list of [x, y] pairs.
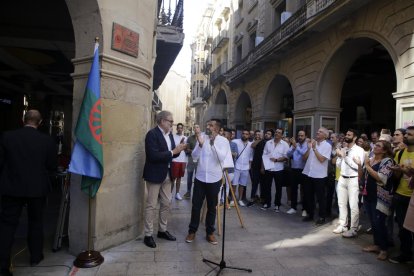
{"points": [[410, 128], [218, 122], [271, 131], [402, 130], [256, 131], [180, 124], [245, 129], [353, 131], [281, 128], [366, 146], [226, 129]]}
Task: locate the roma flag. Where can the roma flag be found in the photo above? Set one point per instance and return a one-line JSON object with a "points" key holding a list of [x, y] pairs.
{"points": [[87, 156]]}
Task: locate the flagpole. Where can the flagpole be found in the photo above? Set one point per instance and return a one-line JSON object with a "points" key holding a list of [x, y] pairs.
{"points": [[89, 258]]}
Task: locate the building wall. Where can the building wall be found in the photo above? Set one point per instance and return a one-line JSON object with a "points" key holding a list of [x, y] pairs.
{"points": [[126, 81], [317, 66]]}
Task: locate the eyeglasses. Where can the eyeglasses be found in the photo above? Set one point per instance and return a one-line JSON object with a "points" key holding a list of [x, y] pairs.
{"points": [[171, 121]]}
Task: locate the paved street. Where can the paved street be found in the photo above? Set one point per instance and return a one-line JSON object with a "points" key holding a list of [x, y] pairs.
{"points": [[270, 244]]}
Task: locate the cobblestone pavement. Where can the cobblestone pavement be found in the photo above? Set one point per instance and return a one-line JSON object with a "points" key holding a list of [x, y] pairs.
{"points": [[270, 244]]}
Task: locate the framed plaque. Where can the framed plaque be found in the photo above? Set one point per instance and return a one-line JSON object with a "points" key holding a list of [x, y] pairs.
{"points": [[124, 40]]}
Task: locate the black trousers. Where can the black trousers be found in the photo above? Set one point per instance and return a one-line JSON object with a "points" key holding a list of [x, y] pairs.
{"points": [[330, 193], [201, 191], [257, 178], [406, 237], [297, 177], [279, 178], [315, 186], [9, 220]]}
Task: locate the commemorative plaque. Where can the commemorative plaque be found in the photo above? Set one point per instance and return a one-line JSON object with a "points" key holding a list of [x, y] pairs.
{"points": [[125, 40]]}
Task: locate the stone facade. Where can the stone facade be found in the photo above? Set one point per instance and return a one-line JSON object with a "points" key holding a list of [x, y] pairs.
{"points": [[126, 85], [298, 71]]}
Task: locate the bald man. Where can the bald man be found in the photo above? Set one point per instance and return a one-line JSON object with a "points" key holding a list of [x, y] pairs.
{"points": [[27, 158]]}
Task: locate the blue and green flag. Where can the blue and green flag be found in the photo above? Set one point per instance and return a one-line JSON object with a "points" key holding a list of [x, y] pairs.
{"points": [[87, 157]]}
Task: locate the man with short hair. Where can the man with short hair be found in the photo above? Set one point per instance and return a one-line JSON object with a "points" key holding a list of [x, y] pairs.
{"points": [[191, 164], [242, 164], [160, 149], [178, 164], [274, 157], [348, 186], [316, 169], [296, 152], [402, 195], [213, 154], [27, 158]]}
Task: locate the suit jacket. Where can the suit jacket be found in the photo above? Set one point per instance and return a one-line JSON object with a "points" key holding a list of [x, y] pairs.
{"points": [[158, 156], [27, 157]]}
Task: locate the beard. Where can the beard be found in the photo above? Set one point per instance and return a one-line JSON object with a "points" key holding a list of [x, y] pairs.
{"points": [[348, 140], [244, 139]]}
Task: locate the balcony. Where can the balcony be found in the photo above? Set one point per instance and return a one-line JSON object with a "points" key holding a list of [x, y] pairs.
{"points": [[218, 74], [207, 66], [170, 38], [206, 93], [220, 41], [197, 101], [314, 16]]}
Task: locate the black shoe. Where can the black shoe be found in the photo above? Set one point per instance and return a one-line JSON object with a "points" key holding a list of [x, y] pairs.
{"points": [[149, 241], [166, 236], [250, 203], [36, 261], [307, 219], [320, 221], [368, 231], [401, 259], [5, 272]]}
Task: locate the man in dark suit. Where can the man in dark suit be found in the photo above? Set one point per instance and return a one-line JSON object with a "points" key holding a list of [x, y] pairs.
{"points": [[160, 149], [26, 159]]}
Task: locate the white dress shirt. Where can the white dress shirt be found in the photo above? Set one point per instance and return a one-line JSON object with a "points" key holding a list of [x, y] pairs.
{"points": [[245, 155], [209, 170], [313, 167], [182, 157], [272, 150], [346, 162], [167, 139]]}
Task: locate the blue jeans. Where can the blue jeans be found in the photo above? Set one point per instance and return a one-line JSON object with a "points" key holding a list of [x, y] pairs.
{"points": [[377, 219]]}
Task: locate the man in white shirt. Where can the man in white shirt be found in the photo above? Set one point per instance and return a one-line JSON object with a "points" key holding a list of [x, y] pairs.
{"points": [[348, 187], [213, 154], [274, 157], [316, 170], [242, 165], [178, 164]]}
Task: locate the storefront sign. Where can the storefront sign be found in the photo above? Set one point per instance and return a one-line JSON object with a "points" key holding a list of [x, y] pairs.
{"points": [[125, 40]]}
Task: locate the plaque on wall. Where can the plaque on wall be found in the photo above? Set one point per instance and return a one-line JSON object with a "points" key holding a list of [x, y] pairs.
{"points": [[124, 40]]}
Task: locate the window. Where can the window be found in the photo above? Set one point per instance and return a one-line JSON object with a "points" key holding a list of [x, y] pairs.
{"points": [[252, 41], [239, 53]]}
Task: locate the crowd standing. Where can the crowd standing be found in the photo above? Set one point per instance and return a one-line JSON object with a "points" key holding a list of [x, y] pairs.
{"points": [[331, 175]]}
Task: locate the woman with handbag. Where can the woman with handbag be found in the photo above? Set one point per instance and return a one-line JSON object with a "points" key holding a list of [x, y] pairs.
{"points": [[377, 194]]}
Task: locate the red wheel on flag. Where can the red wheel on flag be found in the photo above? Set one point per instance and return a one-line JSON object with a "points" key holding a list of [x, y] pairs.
{"points": [[95, 123]]}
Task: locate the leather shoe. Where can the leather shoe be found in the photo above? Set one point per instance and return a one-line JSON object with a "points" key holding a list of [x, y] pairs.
{"points": [[149, 241], [320, 221], [36, 261], [166, 235], [306, 219]]}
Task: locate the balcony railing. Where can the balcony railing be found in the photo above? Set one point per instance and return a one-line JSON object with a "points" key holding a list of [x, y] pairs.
{"points": [[291, 26], [170, 14], [218, 74], [206, 93], [220, 41]]}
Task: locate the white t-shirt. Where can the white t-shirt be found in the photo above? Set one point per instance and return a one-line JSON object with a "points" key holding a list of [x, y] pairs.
{"points": [[182, 157]]}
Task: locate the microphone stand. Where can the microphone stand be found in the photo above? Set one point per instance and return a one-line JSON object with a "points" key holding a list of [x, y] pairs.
{"points": [[222, 265]]}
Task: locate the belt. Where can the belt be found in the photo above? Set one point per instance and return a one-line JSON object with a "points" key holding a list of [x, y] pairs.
{"points": [[349, 176]]}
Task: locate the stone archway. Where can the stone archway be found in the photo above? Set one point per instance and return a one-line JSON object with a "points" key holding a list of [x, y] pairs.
{"points": [[278, 104], [243, 112], [220, 107], [359, 80]]}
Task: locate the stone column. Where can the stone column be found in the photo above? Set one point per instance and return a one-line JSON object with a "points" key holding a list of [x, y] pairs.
{"points": [[126, 85]]}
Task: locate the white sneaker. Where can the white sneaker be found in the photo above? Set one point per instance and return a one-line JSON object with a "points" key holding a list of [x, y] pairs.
{"points": [[291, 211], [276, 209], [231, 203], [338, 230], [304, 214], [265, 207], [241, 203], [178, 196]]}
